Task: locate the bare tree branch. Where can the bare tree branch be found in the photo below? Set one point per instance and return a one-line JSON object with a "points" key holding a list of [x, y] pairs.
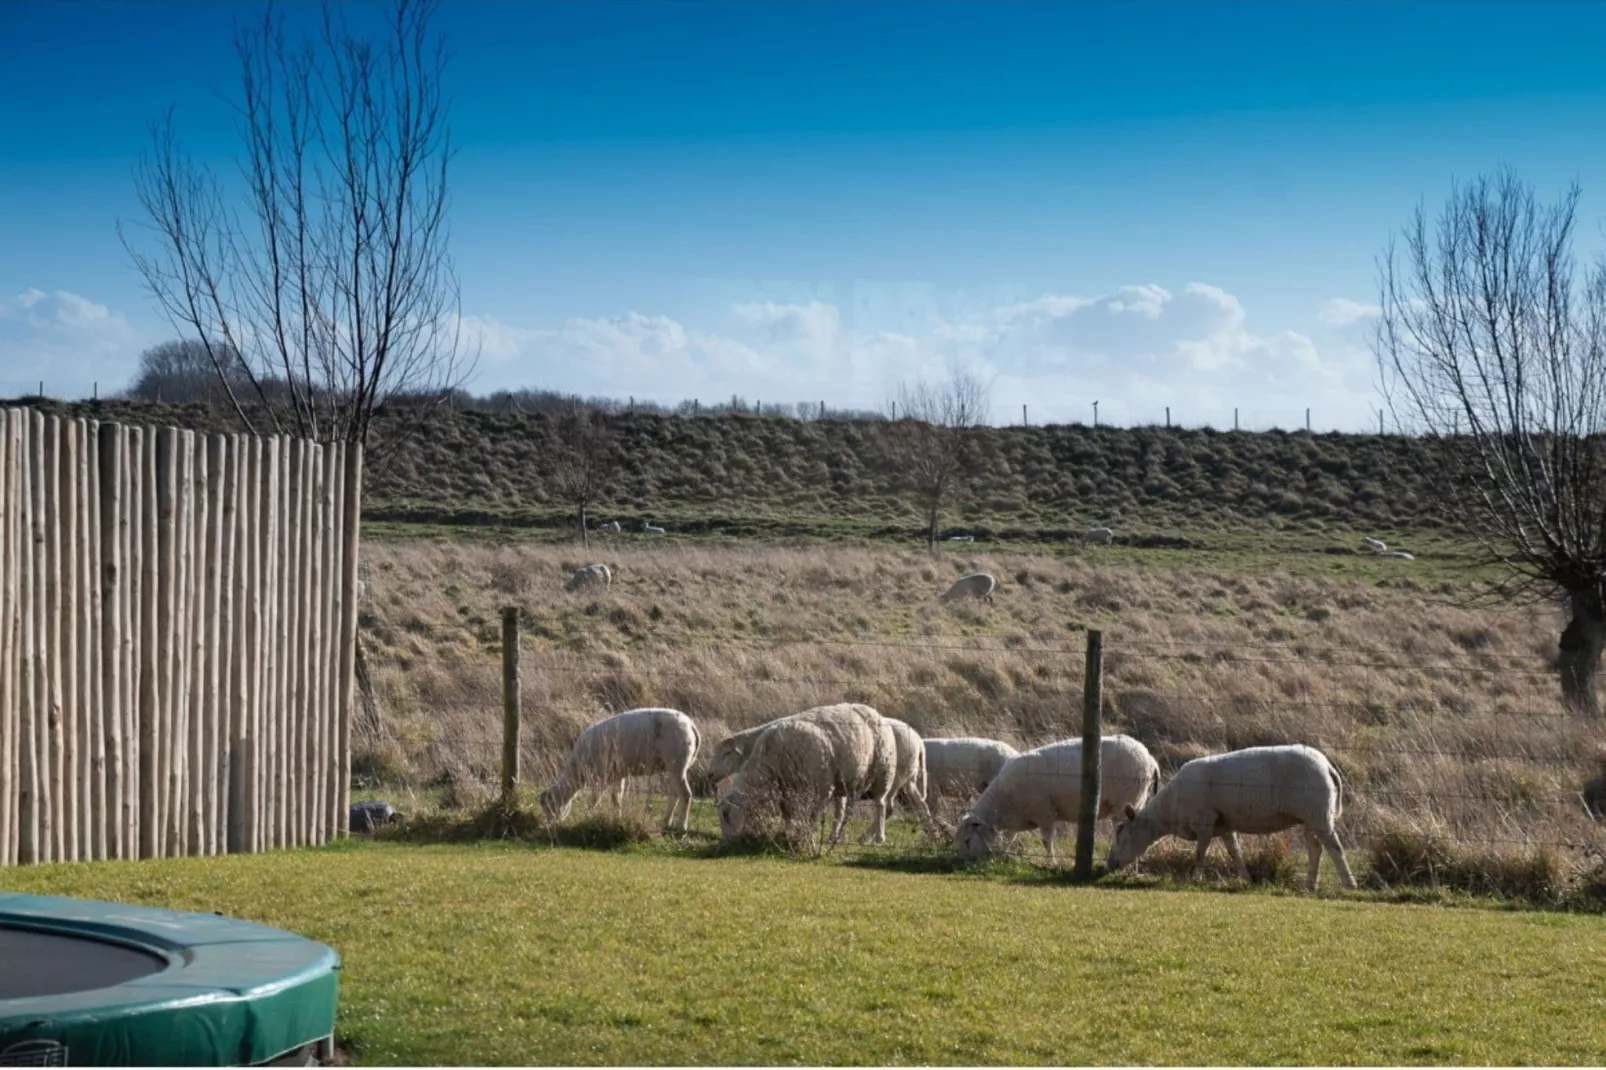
{"points": [[1491, 349], [324, 271], [930, 442]]}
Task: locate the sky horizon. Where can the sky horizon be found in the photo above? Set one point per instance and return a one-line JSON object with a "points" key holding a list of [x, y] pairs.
{"points": [[1141, 204]]}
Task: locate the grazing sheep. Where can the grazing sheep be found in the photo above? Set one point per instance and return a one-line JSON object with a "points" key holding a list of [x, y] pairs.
{"points": [[1401, 554], [1102, 536], [1259, 790], [589, 576], [1041, 787], [630, 744], [910, 781], [964, 767], [961, 538], [1377, 546], [649, 529], [975, 585], [731, 752], [611, 527], [802, 762]]}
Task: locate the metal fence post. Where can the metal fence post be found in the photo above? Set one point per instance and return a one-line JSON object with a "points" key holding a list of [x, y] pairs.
{"points": [[1092, 697], [510, 704]]}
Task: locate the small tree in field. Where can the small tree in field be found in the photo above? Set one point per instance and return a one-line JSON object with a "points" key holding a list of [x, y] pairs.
{"points": [[318, 280], [929, 443], [580, 463], [1492, 347]]}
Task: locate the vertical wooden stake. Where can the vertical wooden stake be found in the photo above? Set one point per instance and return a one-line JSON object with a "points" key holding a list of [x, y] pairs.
{"points": [[510, 705], [1092, 744]]}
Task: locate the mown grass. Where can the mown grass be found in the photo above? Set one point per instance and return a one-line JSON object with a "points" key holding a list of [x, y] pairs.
{"points": [[510, 954]]}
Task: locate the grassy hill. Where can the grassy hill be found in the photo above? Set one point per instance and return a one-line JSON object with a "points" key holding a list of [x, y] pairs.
{"points": [[766, 476]]}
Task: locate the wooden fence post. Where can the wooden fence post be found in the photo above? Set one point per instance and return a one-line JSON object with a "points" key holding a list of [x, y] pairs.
{"points": [[510, 704], [1092, 743]]}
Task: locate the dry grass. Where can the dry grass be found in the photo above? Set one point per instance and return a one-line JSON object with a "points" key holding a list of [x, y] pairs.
{"points": [[1437, 715]]}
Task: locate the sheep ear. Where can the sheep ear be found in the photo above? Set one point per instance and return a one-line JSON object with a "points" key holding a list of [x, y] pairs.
{"points": [[1130, 813]]}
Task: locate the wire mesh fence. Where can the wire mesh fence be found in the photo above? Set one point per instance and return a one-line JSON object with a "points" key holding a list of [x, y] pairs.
{"points": [[1469, 774]]}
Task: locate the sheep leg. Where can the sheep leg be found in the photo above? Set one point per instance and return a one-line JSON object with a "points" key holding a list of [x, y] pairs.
{"points": [[1204, 830], [878, 821], [619, 800], [1231, 839], [1335, 850], [684, 801], [841, 819], [1047, 831]]}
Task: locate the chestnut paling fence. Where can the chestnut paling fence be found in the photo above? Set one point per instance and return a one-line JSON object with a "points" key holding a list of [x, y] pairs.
{"points": [[177, 639]]}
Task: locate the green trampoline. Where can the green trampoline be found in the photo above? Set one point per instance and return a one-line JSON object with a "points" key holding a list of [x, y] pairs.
{"points": [[84, 983]]}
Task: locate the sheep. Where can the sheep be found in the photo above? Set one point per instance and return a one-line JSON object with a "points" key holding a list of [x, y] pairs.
{"points": [[1401, 554], [910, 781], [965, 766], [589, 576], [1102, 536], [1377, 546], [1036, 789], [961, 538], [649, 529], [634, 743], [841, 752], [731, 752], [975, 585], [611, 527], [1259, 790]]}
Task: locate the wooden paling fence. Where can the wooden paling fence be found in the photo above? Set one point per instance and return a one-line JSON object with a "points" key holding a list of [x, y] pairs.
{"points": [[178, 617]]}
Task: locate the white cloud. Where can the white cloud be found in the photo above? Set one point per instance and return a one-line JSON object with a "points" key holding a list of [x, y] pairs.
{"points": [[1137, 349], [1342, 312], [67, 341]]}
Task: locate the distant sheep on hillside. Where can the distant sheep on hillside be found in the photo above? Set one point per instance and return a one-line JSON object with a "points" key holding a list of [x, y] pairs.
{"points": [[612, 527], [649, 529], [975, 585], [1101, 536], [1377, 546], [589, 576]]}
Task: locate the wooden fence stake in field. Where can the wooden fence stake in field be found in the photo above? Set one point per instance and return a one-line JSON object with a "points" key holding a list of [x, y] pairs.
{"points": [[1092, 741], [510, 704]]}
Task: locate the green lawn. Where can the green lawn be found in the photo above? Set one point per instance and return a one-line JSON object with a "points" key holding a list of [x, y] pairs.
{"points": [[497, 954]]}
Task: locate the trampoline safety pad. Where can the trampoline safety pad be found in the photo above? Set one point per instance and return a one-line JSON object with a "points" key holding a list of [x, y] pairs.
{"points": [[86, 983]]}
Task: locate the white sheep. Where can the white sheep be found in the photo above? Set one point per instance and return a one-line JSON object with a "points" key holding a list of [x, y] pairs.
{"points": [[964, 767], [910, 782], [611, 527], [1259, 790], [631, 744], [1102, 536], [1036, 789], [1401, 554], [1377, 546], [650, 529], [975, 585], [730, 753], [589, 576], [803, 762], [961, 538]]}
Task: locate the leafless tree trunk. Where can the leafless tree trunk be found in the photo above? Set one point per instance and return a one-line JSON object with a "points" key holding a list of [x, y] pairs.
{"points": [[929, 443], [332, 282], [580, 462], [1494, 350]]}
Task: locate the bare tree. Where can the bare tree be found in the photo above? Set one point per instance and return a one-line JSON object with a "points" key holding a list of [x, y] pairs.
{"points": [[930, 441], [332, 278], [580, 463], [1493, 348], [183, 370]]}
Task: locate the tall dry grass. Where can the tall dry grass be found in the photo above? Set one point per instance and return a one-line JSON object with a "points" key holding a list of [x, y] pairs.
{"points": [[1439, 716]]}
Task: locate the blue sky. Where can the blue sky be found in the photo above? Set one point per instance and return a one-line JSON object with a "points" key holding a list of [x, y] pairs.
{"points": [[1140, 203]]}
